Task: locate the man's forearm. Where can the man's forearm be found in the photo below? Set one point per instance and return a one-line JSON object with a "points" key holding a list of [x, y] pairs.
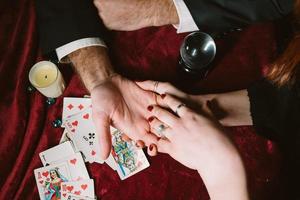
{"points": [[92, 64]]}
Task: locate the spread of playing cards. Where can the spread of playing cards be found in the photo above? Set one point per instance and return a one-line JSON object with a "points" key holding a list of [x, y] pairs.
{"points": [[64, 175]]}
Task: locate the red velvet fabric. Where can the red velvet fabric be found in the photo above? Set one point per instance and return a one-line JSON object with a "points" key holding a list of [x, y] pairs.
{"points": [[25, 120]]}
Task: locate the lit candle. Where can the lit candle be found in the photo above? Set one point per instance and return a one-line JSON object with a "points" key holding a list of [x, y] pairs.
{"points": [[46, 78]]}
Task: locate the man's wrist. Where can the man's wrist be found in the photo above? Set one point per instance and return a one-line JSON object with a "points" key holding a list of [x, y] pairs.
{"points": [[165, 13], [92, 64]]}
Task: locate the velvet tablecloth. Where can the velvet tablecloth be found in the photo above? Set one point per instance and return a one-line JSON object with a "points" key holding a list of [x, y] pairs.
{"points": [[25, 119]]}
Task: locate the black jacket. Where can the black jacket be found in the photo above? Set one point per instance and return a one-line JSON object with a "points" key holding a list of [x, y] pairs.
{"points": [[64, 21]]}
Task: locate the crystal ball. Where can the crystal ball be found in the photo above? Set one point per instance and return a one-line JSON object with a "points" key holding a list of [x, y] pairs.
{"points": [[197, 51]]}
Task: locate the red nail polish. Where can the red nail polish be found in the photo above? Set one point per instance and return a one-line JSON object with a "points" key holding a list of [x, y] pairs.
{"points": [[151, 147], [150, 108], [163, 96], [150, 119]]}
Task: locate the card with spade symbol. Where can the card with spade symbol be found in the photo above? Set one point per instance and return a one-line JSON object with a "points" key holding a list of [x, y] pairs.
{"points": [[82, 132], [82, 188], [49, 180]]}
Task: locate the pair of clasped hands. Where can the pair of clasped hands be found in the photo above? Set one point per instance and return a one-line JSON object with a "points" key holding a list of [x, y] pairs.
{"points": [[146, 110]]}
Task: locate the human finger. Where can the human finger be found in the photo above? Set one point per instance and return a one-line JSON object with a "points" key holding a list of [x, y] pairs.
{"points": [[152, 150], [164, 146], [159, 128], [178, 107], [140, 144], [125, 138], [163, 115], [102, 125], [154, 86]]}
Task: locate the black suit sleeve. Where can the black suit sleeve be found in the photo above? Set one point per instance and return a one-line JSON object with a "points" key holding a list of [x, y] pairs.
{"points": [[224, 15], [63, 21]]}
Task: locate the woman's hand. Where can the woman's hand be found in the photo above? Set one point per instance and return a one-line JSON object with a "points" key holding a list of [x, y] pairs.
{"points": [[197, 103], [198, 142], [230, 109]]}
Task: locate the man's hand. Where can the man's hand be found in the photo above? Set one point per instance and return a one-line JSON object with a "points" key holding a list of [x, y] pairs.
{"points": [[115, 100], [122, 103], [128, 15]]}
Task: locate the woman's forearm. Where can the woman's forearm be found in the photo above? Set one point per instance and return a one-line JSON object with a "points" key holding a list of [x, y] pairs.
{"points": [[231, 109], [225, 177]]}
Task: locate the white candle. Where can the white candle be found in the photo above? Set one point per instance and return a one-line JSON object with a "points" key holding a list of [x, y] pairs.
{"points": [[46, 78]]}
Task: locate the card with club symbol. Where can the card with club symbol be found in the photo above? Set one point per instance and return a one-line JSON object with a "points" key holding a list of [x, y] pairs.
{"points": [[82, 132]]}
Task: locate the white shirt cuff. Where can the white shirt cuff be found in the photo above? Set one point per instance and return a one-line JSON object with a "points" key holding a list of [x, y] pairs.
{"points": [[78, 44], [186, 21]]}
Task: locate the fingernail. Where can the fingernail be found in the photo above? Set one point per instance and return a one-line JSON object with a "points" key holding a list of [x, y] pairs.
{"points": [[150, 108], [163, 96], [151, 147], [150, 119]]}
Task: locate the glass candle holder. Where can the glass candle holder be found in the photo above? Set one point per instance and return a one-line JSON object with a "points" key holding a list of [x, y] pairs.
{"points": [[47, 79]]}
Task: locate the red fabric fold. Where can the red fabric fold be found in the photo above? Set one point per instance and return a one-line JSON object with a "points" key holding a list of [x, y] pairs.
{"points": [[152, 53]]}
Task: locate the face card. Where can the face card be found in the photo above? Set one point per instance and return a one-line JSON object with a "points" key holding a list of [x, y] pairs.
{"points": [[130, 160], [110, 161], [73, 106], [83, 133], [83, 188], [56, 153], [71, 196], [76, 166], [49, 179]]}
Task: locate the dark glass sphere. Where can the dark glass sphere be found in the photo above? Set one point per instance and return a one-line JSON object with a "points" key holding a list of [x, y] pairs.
{"points": [[50, 101], [197, 51], [57, 123]]}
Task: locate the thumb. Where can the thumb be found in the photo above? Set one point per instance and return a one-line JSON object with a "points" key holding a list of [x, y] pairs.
{"points": [[102, 124]]}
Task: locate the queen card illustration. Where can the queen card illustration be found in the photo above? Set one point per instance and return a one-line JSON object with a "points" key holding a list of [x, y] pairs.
{"points": [[49, 180]]}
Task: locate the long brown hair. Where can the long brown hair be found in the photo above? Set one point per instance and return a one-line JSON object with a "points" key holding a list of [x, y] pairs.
{"points": [[286, 69]]}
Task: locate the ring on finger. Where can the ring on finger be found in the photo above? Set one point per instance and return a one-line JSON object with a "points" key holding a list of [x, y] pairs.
{"points": [[160, 129]]}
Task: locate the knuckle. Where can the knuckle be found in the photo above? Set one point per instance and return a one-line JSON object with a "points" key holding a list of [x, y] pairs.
{"points": [[157, 111]]}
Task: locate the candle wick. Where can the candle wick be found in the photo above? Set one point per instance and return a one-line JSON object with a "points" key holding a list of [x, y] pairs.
{"points": [[46, 77]]}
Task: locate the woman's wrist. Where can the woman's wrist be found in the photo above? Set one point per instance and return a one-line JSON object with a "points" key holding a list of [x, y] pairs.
{"points": [[226, 178]]}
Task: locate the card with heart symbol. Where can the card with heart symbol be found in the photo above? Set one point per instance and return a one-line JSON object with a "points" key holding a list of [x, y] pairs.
{"points": [[82, 132], [74, 105], [76, 166], [82, 188], [49, 179]]}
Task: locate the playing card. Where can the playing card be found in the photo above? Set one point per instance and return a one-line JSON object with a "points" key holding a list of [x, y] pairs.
{"points": [[56, 153], [73, 106], [83, 188], [130, 160], [49, 179], [82, 132], [110, 161], [64, 137], [76, 166], [70, 196]]}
